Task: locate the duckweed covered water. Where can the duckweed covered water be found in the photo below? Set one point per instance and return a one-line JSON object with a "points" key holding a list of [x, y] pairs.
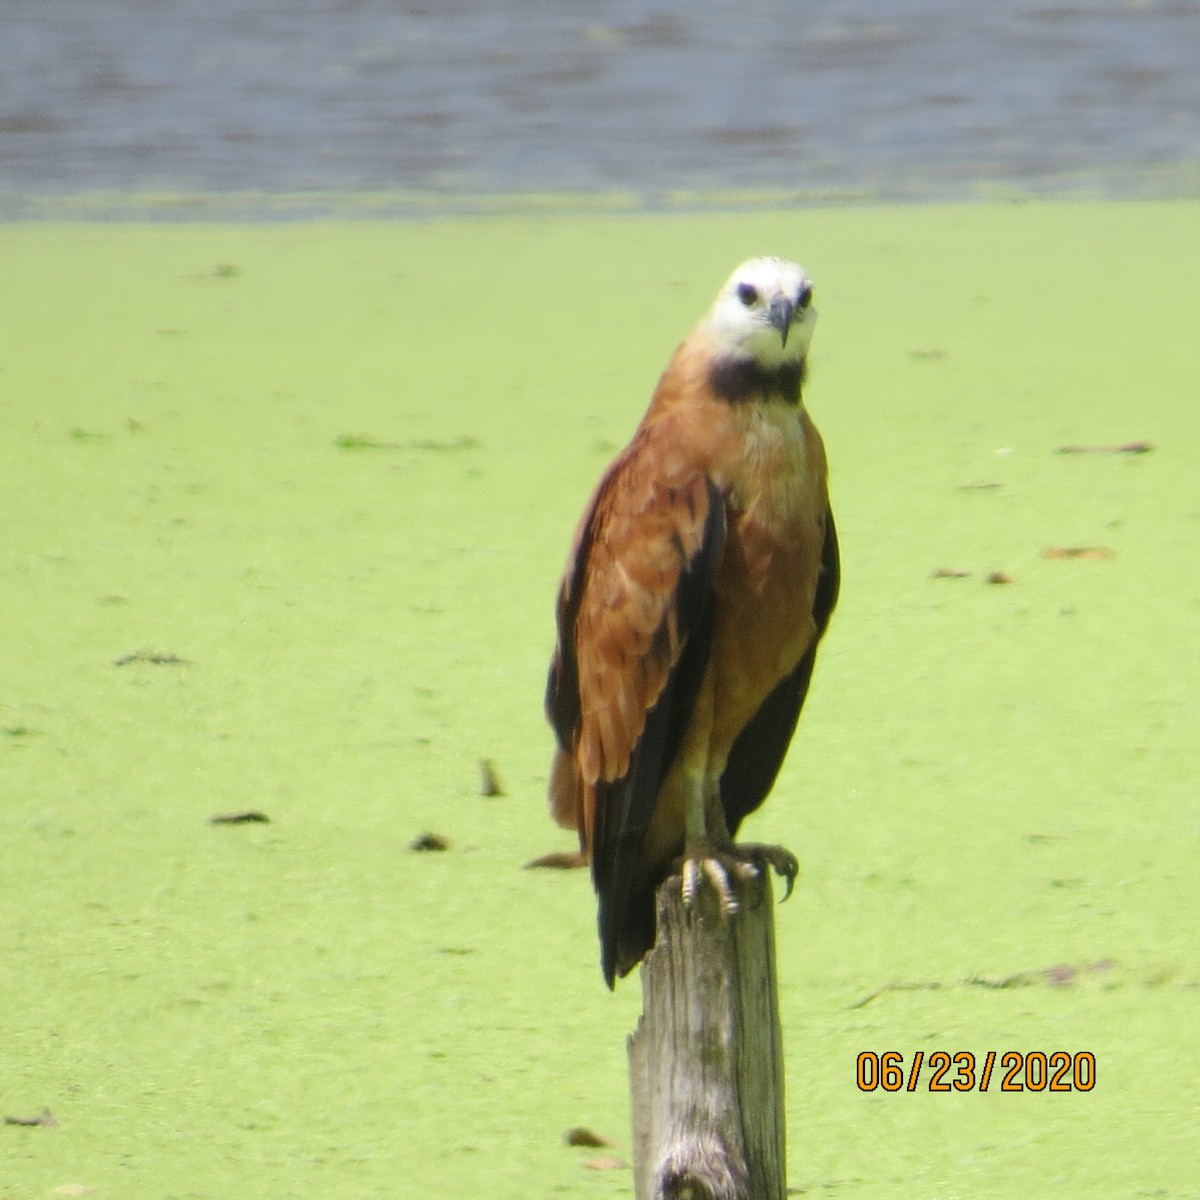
{"points": [[283, 513]]}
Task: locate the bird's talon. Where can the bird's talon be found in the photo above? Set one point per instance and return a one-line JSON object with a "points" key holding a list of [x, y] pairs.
{"points": [[691, 882], [748, 861], [720, 881], [744, 862], [783, 863]]}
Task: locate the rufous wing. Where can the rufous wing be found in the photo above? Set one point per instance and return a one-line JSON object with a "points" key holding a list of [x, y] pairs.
{"points": [[635, 619]]}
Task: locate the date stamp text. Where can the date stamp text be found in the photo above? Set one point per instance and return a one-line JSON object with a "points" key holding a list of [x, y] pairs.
{"points": [[1010, 1071]]}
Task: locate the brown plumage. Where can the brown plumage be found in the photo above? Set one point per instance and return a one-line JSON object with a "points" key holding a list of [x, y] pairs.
{"points": [[701, 579]]}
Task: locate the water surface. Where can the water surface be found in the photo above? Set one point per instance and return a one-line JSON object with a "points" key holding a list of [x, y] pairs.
{"points": [[888, 98]]}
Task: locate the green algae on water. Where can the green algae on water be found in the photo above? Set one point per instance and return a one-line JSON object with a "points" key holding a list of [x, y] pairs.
{"points": [[284, 509]]}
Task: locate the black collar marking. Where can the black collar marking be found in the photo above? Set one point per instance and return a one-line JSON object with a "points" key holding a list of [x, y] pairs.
{"points": [[738, 380]]}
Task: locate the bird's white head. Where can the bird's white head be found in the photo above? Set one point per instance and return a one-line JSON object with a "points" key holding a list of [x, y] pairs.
{"points": [[764, 314]]}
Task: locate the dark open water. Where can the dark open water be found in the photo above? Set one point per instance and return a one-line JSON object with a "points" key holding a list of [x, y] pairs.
{"points": [[883, 98]]}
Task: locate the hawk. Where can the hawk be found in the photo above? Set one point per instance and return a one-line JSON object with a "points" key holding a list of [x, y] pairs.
{"points": [[701, 579]]}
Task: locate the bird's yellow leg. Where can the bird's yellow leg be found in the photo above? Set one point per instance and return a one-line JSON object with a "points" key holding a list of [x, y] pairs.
{"points": [[700, 858], [709, 852], [700, 835]]}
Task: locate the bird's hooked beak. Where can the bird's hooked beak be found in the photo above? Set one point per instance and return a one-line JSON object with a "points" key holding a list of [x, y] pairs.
{"points": [[780, 315]]}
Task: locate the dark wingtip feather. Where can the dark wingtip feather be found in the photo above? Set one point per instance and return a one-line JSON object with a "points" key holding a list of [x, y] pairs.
{"points": [[609, 967]]}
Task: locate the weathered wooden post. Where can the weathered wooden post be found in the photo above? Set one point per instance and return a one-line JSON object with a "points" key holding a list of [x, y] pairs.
{"points": [[706, 1060]]}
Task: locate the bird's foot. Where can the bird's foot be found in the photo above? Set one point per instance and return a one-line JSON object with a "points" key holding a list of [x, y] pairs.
{"points": [[716, 867], [782, 861], [743, 862]]}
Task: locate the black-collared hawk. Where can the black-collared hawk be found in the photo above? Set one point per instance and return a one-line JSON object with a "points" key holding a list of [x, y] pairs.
{"points": [[702, 576]]}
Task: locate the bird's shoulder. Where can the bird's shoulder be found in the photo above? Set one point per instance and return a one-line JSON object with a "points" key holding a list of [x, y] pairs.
{"points": [[651, 514]]}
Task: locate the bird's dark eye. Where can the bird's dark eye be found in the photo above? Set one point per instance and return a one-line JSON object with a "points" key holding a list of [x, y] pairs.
{"points": [[747, 294], [804, 299]]}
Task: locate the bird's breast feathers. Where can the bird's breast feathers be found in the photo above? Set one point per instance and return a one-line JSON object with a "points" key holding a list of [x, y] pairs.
{"points": [[766, 458], [778, 463], [776, 500]]}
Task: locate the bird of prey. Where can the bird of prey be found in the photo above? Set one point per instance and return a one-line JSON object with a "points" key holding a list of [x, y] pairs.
{"points": [[701, 579]]}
